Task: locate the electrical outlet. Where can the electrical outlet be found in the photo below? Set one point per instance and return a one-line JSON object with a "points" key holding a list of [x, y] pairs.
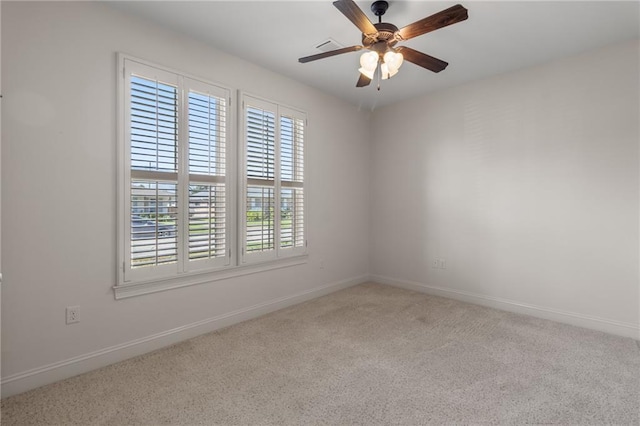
{"points": [[73, 314], [435, 263], [442, 263]]}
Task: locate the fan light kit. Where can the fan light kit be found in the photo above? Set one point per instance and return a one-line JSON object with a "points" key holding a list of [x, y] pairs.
{"points": [[388, 68], [382, 57]]}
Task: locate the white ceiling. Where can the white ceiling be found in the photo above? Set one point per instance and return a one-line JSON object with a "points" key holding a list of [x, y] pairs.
{"points": [[498, 37]]}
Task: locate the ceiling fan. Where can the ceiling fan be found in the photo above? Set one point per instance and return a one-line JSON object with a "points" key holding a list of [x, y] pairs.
{"points": [[379, 40]]}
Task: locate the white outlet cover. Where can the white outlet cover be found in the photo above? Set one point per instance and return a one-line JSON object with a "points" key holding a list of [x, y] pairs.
{"points": [[73, 314]]}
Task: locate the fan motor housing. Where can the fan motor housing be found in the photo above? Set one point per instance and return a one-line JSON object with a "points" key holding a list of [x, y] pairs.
{"points": [[386, 33]]}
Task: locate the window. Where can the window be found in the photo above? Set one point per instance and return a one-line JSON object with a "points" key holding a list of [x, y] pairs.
{"points": [[176, 209], [273, 153], [195, 199]]}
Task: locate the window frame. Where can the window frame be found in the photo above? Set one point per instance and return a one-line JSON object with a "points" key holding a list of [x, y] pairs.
{"points": [[279, 111], [186, 274], [185, 84]]}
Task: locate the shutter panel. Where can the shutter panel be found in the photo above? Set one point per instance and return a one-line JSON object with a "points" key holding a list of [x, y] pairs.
{"points": [[260, 144], [292, 223], [260, 202], [260, 225], [207, 134], [153, 229], [153, 145], [153, 125], [208, 213], [207, 222]]}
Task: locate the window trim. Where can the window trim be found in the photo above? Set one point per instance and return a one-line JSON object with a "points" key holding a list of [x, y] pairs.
{"points": [[124, 291], [190, 276]]}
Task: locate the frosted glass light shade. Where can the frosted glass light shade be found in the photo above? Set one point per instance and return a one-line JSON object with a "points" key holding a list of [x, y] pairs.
{"points": [[384, 71], [391, 64], [387, 72], [367, 73], [369, 60], [393, 61]]}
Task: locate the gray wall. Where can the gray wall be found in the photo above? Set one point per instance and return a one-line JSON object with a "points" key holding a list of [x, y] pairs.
{"points": [[526, 184], [59, 191]]}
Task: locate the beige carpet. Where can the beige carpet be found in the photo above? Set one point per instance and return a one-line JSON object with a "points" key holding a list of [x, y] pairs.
{"points": [[368, 355]]}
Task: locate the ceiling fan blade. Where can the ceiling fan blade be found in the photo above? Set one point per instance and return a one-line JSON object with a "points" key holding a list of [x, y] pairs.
{"points": [[329, 54], [363, 81], [351, 10], [441, 19], [421, 59]]}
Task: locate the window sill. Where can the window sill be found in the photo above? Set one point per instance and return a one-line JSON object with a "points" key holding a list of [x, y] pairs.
{"points": [[137, 289]]}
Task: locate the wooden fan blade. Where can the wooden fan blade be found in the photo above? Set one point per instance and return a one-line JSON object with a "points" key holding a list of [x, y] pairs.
{"points": [[329, 53], [351, 10], [363, 81], [441, 19], [421, 59]]}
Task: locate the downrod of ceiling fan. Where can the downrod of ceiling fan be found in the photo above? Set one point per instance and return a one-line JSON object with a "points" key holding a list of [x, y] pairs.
{"points": [[379, 7]]}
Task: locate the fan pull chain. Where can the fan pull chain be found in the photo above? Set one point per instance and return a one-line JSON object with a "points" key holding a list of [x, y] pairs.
{"points": [[379, 72]]}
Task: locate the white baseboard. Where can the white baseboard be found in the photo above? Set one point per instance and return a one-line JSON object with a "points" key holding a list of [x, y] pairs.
{"points": [[31, 379], [608, 326]]}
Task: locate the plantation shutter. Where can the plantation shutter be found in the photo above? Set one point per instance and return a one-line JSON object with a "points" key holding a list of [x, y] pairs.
{"points": [[208, 187], [174, 176], [292, 225], [273, 166], [151, 128], [260, 189]]}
